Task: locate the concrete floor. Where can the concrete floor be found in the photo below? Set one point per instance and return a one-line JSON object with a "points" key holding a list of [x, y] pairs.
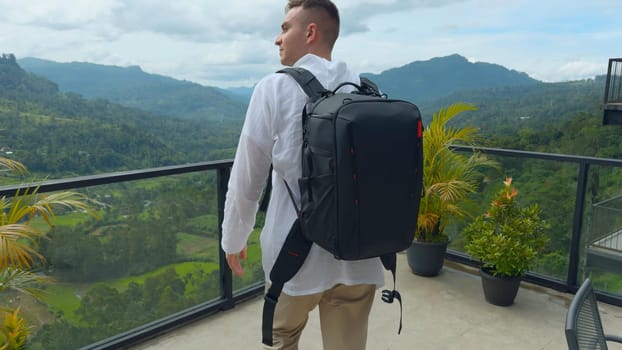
{"points": [[443, 312]]}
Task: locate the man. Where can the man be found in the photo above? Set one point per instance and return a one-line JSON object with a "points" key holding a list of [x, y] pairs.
{"points": [[272, 134]]}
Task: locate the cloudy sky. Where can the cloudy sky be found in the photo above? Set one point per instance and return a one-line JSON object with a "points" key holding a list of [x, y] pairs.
{"points": [[231, 43]]}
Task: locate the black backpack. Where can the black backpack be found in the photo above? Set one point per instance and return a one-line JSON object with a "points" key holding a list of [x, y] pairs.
{"points": [[362, 177]]}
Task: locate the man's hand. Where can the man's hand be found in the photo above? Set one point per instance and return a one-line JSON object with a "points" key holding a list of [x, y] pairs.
{"points": [[234, 262]]}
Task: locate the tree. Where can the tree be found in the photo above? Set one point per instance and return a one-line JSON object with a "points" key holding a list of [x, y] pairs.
{"points": [[8, 58]]}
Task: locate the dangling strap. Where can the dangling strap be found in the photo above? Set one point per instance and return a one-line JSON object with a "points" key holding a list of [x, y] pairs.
{"points": [[269, 305], [291, 257], [389, 261]]}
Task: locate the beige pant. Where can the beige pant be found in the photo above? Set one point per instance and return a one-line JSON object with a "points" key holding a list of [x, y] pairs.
{"points": [[344, 312]]}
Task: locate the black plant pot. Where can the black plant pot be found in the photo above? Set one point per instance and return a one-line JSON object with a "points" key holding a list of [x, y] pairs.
{"points": [[426, 258], [500, 291]]}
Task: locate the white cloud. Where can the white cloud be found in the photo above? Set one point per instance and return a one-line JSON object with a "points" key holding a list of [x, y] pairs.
{"points": [[55, 14], [230, 43], [582, 69], [356, 14], [206, 21]]}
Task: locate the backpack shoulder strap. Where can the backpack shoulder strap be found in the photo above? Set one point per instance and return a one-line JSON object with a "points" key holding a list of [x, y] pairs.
{"points": [[309, 83], [290, 259]]}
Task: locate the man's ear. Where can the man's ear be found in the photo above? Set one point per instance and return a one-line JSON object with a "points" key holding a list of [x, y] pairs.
{"points": [[312, 32]]}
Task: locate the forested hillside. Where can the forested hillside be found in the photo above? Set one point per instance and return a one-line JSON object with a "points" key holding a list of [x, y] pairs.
{"points": [[62, 134], [504, 110], [131, 87]]}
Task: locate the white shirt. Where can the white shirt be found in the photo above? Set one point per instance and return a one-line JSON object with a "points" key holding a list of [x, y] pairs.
{"points": [[272, 134]]}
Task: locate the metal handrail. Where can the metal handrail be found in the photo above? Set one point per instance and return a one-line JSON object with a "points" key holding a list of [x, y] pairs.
{"points": [[115, 177]]}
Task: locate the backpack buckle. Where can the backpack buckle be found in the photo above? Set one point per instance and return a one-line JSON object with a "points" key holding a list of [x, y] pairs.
{"points": [[270, 299]]}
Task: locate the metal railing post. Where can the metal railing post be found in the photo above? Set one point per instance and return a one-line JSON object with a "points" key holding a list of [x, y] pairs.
{"points": [[575, 242], [226, 277]]}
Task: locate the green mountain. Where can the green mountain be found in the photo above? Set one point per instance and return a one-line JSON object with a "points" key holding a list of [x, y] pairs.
{"points": [[419, 81], [425, 81], [507, 100], [503, 110], [131, 87], [64, 134]]}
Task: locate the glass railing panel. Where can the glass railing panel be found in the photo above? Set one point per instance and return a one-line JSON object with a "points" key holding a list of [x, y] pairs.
{"points": [[154, 252], [601, 245], [550, 184]]}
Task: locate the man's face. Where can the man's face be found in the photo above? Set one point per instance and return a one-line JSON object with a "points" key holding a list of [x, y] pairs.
{"points": [[292, 39]]}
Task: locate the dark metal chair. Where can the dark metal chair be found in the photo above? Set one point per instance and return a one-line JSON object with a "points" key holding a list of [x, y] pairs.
{"points": [[584, 329]]}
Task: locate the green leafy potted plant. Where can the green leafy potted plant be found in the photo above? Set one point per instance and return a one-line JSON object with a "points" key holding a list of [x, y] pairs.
{"points": [[448, 178], [506, 240]]}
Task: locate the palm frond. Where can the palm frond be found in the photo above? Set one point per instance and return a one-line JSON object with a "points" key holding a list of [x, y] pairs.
{"points": [[26, 204], [69, 200], [17, 237], [426, 221], [23, 281], [452, 191], [12, 165], [19, 207], [17, 246]]}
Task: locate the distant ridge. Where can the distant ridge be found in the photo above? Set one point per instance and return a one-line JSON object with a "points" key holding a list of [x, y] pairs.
{"points": [[424, 81], [132, 87]]}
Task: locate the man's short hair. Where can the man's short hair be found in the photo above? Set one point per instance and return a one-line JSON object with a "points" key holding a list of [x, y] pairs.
{"points": [[328, 13]]}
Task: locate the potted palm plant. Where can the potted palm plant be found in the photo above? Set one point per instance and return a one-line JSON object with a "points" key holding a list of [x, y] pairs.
{"points": [[448, 179], [19, 257], [506, 240]]}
